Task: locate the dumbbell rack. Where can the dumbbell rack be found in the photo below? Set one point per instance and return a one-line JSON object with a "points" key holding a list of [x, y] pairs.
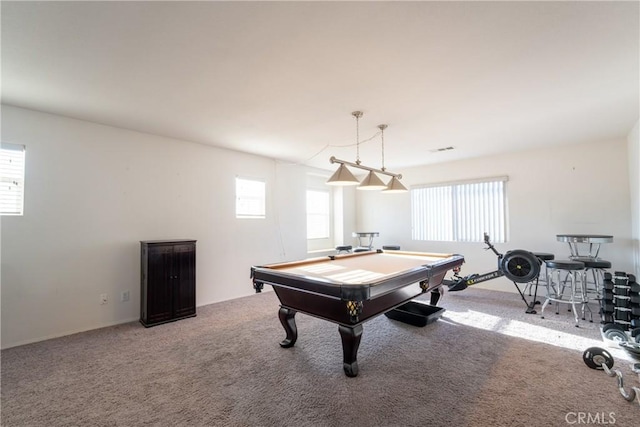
{"points": [[620, 302]]}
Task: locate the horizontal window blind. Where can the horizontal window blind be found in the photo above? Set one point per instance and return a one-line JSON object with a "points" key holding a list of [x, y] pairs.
{"points": [[460, 212], [12, 164]]}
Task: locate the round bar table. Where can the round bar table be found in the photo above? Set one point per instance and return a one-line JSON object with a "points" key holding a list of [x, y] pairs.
{"points": [[592, 240], [363, 235]]}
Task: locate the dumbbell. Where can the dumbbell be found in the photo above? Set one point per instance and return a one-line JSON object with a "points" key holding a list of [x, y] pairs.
{"points": [[620, 278], [622, 315], [607, 295], [607, 308], [621, 302], [621, 290], [607, 283], [606, 318]]}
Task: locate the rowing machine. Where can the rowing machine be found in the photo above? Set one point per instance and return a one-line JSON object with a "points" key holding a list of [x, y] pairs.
{"points": [[518, 265]]}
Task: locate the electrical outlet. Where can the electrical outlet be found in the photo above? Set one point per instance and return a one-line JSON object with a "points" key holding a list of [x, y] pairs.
{"points": [[124, 296], [103, 299]]}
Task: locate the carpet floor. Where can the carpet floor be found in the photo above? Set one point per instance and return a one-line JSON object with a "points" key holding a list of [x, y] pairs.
{"points": [[484, 363]]}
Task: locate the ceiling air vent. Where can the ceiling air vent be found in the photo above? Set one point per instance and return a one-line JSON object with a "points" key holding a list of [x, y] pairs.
{"points": [[441, 149]]}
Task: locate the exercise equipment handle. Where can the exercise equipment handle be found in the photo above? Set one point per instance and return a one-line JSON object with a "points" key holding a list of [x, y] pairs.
{"points": [[487, 241]]}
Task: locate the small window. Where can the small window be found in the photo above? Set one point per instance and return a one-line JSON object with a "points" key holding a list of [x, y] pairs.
{"points": [[460, 212], [12, 162], [318, 214], [250, 198]]}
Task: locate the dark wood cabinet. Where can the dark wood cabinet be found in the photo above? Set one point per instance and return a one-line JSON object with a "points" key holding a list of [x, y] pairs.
{"points": [[167, 280]]}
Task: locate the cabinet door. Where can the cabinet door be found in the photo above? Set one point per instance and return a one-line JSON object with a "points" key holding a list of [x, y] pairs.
{"points": [[159, 284], [184, 288]]}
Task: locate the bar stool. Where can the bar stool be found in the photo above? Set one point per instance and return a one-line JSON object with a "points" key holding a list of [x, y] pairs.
{"points": [[556, 287], [344, 248], [390, 248], [597, 268]]}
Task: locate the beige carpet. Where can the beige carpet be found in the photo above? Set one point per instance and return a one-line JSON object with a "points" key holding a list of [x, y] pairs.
{"points": [[485, 363]]}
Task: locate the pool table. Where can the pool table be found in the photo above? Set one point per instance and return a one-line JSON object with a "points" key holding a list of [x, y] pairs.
{"points": [[350, 289]]}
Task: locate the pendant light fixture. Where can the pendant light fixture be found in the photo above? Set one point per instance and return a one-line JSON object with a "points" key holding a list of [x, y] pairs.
{"points": [[343, 175]]}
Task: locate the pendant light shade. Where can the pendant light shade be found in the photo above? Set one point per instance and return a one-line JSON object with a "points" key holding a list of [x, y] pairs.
{"points": [[372, 182], [395, 186], [343, 176]]}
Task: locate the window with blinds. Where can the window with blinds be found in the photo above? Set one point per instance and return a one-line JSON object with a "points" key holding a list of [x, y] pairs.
{"points": [[460, 211], [12, 163]]}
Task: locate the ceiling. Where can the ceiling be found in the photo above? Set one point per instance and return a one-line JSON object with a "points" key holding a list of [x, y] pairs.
{"points": [[280, 79]]}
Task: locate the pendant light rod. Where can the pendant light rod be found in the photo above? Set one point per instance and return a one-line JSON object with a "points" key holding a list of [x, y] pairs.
{"points": [[382, 128], [359, 166], [357, 115]]}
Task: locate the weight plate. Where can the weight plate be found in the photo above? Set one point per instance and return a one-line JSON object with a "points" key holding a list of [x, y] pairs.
{"points": [[610, 326], [616, 335], [635, 332], [631, 278], [520, 266], [595, 357]]}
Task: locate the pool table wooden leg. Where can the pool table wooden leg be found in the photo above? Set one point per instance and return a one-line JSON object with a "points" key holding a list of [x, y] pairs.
{"points": [[287, 318], [350, 342]]}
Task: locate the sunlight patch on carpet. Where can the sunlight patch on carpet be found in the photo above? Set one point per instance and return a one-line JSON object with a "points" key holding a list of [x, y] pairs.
{"points": [[519, 329]]}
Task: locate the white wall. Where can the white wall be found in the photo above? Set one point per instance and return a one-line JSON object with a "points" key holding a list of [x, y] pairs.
{"points": [[93, 192], [571, 189], [633, 141]]}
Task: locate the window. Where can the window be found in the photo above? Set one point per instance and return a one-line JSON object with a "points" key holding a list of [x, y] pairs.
{"points": [[460, 212], [318, 214], [12, 162], [250, 198]]}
